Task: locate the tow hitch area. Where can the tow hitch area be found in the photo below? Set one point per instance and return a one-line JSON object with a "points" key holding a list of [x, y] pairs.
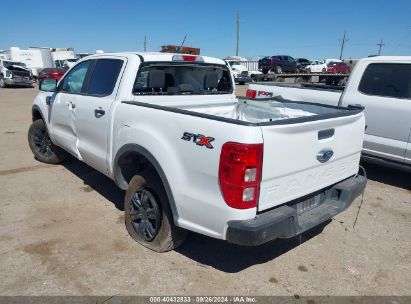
{"points": [[294, 218]]}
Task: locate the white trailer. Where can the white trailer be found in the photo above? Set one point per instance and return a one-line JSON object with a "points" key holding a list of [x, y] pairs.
{"points": [[34, 58], [62, 55]]}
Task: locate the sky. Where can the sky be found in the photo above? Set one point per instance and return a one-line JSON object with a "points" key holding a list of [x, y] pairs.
{"points": [[312, 29]]}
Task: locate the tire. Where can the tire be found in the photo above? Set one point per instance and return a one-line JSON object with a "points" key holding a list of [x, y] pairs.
{"points": [[308, 70], [278, 69], [148, 216], [41, 146], [2, 83], [265, 71], [324, 70], [241, 82]]}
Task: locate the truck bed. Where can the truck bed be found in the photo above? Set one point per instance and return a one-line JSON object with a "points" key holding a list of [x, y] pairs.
{"points": [[268, 111]]}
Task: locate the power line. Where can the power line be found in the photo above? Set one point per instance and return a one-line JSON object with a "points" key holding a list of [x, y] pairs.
{"points": [[145, 43], [380, 45], [343, 41]]}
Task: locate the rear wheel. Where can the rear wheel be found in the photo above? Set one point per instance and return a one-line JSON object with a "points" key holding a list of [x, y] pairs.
{"points": [[41, 146], [148, 216], [241, 82], [324, 70]]}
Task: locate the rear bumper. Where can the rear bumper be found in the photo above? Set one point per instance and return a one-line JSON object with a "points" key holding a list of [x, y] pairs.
{"points": [[285, 222]]}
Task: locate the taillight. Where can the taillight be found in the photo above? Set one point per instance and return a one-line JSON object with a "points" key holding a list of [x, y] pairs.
{"points": [[251, 93], [239, 174], [189, 58], [271, 62]]}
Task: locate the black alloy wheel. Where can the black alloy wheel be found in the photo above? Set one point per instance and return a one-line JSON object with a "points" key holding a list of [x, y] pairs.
{"points": [[42, 142], [145, 214]]}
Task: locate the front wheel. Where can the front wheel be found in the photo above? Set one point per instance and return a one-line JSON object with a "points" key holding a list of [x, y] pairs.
{"points": [[148, 216], [2, 82], [241, 82], [41, 145]]}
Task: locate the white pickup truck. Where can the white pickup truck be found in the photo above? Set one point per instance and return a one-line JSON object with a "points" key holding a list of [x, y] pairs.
{"points": [[382, 85], [168, 129]]}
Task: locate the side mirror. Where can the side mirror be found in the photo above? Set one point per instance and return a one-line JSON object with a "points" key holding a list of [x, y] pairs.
{"points": [[48, 85]]}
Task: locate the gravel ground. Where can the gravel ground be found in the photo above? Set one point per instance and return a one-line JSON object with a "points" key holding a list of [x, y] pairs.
{"points": [[62, 233]]}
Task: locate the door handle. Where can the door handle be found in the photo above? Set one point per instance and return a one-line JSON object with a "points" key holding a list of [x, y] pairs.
{"points": [[70, 105], [99, 112]]}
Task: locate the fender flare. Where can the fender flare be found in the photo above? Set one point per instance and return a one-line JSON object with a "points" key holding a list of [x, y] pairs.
{"points": [[122, 184], [37, 108]]}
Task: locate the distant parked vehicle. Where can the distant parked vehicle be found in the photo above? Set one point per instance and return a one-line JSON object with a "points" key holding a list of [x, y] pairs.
{"points": [[302, 64], [320, 67], [14, 74], [55, 73], [277, 64], [239, 71], [338, 68], [380, 85]]}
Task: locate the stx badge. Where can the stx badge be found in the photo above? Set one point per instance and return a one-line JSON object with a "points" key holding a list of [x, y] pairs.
{"points": [[198, 139]]}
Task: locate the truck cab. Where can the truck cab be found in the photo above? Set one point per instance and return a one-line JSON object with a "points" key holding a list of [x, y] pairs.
{"points": [[382, 85]]}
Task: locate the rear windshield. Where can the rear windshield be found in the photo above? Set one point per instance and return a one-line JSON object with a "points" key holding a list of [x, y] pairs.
{"points": [[182, 79]]}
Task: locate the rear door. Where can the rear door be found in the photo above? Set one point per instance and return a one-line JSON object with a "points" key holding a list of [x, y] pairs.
{"points": [[93, 111], [293, 164], [385, 92], [63, 108]]}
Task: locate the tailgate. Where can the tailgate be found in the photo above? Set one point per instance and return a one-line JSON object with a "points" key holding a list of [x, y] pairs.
{"points": [[290, 166]]}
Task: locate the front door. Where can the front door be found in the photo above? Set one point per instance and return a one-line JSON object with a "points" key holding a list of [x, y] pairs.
{"points": [[93, 111], [63, 108]]}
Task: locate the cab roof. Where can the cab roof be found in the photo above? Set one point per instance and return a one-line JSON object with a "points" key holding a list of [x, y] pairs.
{"points": [[157, 56]]}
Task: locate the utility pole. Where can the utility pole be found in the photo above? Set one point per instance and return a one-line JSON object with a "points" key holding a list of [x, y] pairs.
{"points": [[145, 43], [380, 45], [343, 41], [238, 32]]}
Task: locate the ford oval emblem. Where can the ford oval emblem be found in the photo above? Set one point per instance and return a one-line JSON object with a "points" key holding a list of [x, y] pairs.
{"points": [[324, 155]]}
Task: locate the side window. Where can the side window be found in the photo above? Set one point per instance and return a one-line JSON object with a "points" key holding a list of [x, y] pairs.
{"points": [[387, 79], [104, 77], [73, 81]]}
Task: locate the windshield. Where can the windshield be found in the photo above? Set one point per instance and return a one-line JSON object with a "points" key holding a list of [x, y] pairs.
{"points": [[10, 63], [333, 63], [231, 63], [182, 79]]}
